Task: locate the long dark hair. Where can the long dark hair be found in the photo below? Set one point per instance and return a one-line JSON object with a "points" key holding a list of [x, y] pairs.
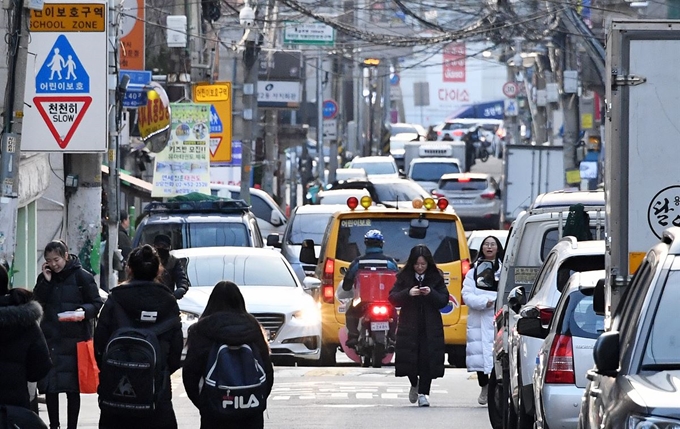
{"points": [[500, 253], [408, 272], [225, 296], [144, 263]]}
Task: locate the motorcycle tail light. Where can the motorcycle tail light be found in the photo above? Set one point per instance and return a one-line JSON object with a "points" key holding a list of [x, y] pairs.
{"points": [[327, 287], [380, 312], [560, 368]]}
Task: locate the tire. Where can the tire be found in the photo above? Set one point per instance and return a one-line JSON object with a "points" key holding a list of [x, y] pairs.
{"points": [[456, 356], [484, 155], [509, 414], [495, 404], [328, 352], [524, 420], [378, 355]]}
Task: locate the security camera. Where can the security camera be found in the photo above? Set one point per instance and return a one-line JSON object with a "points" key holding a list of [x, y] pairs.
{"points": [[247, 17]]}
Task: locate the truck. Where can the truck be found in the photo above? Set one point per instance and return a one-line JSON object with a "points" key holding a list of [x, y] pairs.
{"points": [[449, 149], [642, 190], [529, 171]]}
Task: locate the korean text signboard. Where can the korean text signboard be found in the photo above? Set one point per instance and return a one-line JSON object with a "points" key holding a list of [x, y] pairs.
{"points": [[454, 62], [132, 40], [184, 166], [66, 90], [218, 95]]}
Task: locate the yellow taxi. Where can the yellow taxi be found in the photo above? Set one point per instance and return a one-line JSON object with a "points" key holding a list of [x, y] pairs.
{"points": [[430, 222]]}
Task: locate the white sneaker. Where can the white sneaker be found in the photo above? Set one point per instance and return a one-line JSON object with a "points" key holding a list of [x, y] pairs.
{"points": [[484, 395], [413, 394], [422, 401]]}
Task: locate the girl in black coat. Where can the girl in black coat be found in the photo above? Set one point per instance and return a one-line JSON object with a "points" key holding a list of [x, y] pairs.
{"points": [[420, 291], [140, 293], [24, 354], [224, 321], [64, 286]]}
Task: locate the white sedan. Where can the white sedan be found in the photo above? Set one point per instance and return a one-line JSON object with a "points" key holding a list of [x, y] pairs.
{"points": [[273, 294]]}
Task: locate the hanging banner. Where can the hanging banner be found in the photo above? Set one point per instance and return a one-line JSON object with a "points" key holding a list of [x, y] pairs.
{"points": [[183, 166]]}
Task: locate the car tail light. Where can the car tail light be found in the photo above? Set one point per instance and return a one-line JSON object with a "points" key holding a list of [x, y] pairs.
{"points": [[437, 194], [379, 312], [439, 133], [488, 195], [560, 361], [546, 315], [500, 132], [327, 287], [463, 179], [464, 268], [458, 133]]}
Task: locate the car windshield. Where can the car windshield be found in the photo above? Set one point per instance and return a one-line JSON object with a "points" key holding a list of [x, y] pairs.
{"points": [[207, 234], [458, 126], [400, 129], [441, 237], [582, 320], [399, 191], [376, 167], [432, 171], [308, 226], [462, 185], [244, 270], [662, 348]]}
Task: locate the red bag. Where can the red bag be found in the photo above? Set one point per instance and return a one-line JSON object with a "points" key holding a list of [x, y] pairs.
{"points": [[88, 372]]}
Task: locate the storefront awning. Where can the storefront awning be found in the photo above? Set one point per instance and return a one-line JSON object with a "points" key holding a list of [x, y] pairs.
{"points": [[486, 110]]}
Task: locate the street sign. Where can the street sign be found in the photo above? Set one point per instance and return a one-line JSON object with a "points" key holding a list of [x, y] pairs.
{"points": [[510, 89], [132, 38], [510, 107], [279, 94], [330, 129], [135, 96], [67, 96], [395, 79], [330, 109], [313, 33], [219, 96]]}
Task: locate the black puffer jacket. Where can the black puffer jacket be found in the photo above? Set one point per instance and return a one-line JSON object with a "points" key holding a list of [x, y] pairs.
{"points": [[418, 315], [134, 297], [69, 289], [222, 328], [24, 355], [174, 276]]}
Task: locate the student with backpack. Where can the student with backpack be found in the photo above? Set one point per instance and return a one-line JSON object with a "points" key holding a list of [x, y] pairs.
{"points": [[63, 286], [138, 345], [228, 372]]}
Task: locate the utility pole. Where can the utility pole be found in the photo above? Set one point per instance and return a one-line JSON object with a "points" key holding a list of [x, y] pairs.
{"points": [[251, 56], [271, 116], [319, 116], [10, 146], [570, 107]]}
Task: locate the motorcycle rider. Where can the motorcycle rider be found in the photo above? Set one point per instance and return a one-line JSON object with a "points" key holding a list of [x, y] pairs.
{"points": [[374, 240], [470, 138]]}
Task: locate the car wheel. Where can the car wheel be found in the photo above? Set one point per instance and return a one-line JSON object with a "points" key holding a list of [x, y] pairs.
{"points": [[328, 352], [509, 415], [524, 420], [495, 404]]}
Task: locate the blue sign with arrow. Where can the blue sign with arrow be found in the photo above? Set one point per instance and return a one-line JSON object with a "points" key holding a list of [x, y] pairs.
{"points": [[62, 72], [135, 95], [330, 109]]}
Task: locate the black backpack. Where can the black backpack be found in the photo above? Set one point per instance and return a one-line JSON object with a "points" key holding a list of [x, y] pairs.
{"points": [[133, 368], [234, 384]]}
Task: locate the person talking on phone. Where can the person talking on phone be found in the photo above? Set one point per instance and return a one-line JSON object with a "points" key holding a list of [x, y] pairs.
{"points": [[479, 293], [421, 292], [63, 286]]}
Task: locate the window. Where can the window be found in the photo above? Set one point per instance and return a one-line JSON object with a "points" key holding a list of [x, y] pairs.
{"points": [[432, 171], [577, 264], [463, 185], [260, 208], [218, 234], [242, 270], [663, 342], [542, 277], [376, 167], [308, 226], [399, 191], [441, 238], [551, 237], [172, 230], [581, 320]]}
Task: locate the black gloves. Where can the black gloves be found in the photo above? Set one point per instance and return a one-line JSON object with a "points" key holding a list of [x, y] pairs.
{"points": [[179, 293]]}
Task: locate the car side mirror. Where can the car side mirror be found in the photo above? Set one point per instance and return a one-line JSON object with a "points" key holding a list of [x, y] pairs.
{"points": [[606, 353], [307, 253], [517, 298], [531, 327], [598, 298], [275, 218], [274, 240], [311, 283]]}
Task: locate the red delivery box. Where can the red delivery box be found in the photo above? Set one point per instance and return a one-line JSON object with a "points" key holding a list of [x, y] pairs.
{"points": [[374, 285]]}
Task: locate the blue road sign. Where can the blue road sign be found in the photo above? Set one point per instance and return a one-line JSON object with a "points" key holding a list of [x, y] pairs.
{"points": [[62, 72], [135, 96], [394, 79], [330, 109], [215, 121]]}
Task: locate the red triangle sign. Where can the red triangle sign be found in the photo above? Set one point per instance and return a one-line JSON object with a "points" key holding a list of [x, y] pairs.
{"points": [[62, 114], [215, 144]]}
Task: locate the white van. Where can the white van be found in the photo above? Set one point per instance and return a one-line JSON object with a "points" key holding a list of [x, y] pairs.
{"points": [[427, 171], [270, 218]]}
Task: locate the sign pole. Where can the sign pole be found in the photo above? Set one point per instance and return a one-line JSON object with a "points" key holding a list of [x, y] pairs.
{"points": [[319, 121]]}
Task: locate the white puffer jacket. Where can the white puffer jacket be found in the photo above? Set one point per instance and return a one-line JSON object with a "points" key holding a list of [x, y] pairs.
{"points": [[480, 328]]}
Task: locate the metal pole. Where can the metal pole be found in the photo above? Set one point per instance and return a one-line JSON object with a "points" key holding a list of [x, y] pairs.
{"points": [[250, 115], [319, 112]]}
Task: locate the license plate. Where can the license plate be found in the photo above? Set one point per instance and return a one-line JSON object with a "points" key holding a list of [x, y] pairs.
{"points": [[458, 201], [380, 326]]}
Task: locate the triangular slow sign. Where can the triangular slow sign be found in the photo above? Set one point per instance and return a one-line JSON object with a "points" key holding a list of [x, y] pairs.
{"points": [[214, 144], [62, 115], [62, 72]]}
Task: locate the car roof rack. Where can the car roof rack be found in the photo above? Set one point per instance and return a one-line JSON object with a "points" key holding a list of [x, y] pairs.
{"points": [[201, 206]]}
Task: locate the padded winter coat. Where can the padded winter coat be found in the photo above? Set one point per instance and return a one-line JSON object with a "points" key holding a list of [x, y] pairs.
{"points": [[24, 355], [480, 328], [69, 289]]}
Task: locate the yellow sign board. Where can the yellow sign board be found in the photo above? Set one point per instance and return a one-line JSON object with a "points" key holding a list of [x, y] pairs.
{"points": [[154, 117], [219, 95], [573, 177], [634, 261], [586, 121], [69, 18]]}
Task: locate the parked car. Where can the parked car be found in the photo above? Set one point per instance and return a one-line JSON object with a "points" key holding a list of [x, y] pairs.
{"points": [[390, 192], [567, 351], [455, 129], [400, 134], [474, 196], [307, 222], [428, 171], [350, 173], [567, 257], [205, 223], [382, 166], [477, 236], [273, 294], [340, 196], [634, 382], [270, 217]]}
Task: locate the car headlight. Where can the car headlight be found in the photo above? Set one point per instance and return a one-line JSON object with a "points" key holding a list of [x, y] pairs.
{"points": [[308, 315], [187, 317], [643, 422]]}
